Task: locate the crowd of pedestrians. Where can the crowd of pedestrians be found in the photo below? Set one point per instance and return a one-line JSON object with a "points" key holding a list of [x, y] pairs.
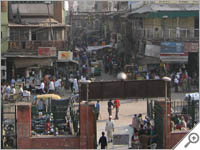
{"points": [[183, 82], [142, 128]]}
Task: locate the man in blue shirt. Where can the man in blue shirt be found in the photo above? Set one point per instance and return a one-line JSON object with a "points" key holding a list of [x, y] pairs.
{"points": [[110, 106], [97, 109]]}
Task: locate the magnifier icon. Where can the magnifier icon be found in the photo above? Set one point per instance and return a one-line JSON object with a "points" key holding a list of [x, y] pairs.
{"points": [[193, 138]]}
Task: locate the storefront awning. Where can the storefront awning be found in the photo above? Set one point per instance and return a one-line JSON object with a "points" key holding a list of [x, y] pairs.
{"points": [[174, 59], [28, 62], [172, 14], [95, 48], [68, 61], [148, 60]]}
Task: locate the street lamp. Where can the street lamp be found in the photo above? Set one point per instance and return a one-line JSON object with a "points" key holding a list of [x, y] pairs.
{"points": [[164, 18], [121, 76], [166, 80], [87, 82]]}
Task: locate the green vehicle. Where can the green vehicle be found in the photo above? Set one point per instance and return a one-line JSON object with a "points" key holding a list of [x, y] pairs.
{"points": [[97, 71], [97, 67]]}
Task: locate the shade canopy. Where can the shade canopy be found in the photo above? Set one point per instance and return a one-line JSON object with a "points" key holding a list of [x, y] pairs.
{"points": [[48, 96]]}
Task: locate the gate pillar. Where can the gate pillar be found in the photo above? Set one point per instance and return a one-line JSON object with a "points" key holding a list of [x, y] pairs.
{"points": [[23, 126], [87, 130], [166, 122]]}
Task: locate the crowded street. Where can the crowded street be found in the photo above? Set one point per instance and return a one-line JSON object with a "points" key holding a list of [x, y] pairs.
{"points": [[99, 74]]}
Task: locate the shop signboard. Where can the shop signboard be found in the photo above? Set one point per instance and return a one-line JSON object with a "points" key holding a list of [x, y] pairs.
{"points": [[175, 58], [191, 47], [152, 50], [65, 56], [46, 51], [172, 48]]}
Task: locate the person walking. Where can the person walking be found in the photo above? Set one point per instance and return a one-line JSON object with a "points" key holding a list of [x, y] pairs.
{"points": [[103, 141], [42, 91], [134, 122], [176, 82], [110, 129], [117, 105], [97, 106], [110, 105], [51, 87]]}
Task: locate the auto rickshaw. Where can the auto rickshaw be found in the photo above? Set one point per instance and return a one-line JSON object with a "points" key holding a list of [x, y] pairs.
{"points": [[47, 98], [97, 67]]}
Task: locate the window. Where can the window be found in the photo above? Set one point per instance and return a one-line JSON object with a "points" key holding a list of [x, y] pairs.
{"points": [[42, 34], [57, 34], [3, 62], [19, 34], [3, 73], [23, 44], [33, 35]]}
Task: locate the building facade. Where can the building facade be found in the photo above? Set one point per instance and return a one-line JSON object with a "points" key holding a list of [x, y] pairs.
{"points": [[170, 28], [4, 37], [36, 34]]}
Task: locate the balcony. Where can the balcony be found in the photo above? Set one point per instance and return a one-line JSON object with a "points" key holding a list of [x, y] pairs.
{"points": [[33, 45], [168, 34]]}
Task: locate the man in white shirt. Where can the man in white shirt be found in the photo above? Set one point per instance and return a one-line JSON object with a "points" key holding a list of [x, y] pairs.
{"points": [[12, 82], [75, 86], [21, 90], [42, 88], [51, 87], [58, 86], [176, 81], [110, 129], [147, 76]]}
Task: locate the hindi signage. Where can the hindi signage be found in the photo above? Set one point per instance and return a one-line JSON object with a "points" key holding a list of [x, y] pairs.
{"points": [[46, 51], [191, 47], [65, 56], [172, 48]]}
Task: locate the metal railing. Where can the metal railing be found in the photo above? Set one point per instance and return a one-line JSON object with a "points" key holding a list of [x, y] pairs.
{"points": [[173, 34], [190, 108]]}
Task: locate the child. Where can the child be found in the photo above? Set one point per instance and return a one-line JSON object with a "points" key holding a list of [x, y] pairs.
{"points": [[135, 140]]}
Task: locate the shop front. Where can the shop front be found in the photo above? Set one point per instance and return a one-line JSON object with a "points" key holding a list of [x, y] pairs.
{"points": [[30, 66], [173, 57], [66, 64]]}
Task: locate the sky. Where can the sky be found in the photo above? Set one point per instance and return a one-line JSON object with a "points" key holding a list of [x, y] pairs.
{"points": [[66, 5]]}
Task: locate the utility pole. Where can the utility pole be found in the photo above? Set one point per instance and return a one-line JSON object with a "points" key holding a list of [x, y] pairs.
{"points": [[51, 30], [70, 37]]}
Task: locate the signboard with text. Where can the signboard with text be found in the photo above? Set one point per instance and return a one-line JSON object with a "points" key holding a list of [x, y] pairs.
{"points": [[152, 50], [65, 56], [46, 51], [172, 48], [191, 47]]}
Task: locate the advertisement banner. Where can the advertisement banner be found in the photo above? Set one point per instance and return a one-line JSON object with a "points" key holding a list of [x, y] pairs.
{"points": [[191, 47], [171, 59], [172, 48], [46, 51], [152, 50], [65, 56]]}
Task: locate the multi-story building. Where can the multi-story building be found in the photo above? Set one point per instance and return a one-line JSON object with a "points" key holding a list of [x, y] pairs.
{"points": [[4, 35], [35, 34], [166, 31]]}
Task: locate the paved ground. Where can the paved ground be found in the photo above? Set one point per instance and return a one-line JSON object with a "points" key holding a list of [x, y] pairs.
{"points": [[127, 109]]}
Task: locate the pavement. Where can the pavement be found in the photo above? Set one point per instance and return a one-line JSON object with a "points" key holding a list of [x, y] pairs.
{"points": [[128, 108]]}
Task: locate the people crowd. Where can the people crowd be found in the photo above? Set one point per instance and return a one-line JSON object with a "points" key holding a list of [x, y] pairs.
{"points": [[183, 82], [180, 122], [142, 127]]}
